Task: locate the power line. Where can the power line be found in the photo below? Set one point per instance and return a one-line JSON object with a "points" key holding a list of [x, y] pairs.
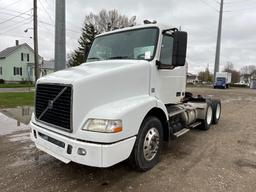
{"points": [[16, 22], [45, 10], [209, 5], [22, 23], [232, 6], [6, 13], [14, 35], [11, 10], [11, 18], [235, 2], [49, 6], [13, 3], [217, 1], [239, 10], [71, 30]]}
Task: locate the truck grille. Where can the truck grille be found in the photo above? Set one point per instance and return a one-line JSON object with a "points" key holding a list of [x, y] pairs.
{"points": [[53, 105]]}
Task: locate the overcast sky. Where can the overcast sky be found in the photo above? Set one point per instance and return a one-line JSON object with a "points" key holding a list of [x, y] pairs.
{"points": [[198, 17]]}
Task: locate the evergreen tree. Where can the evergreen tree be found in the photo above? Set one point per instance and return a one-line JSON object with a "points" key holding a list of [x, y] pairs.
{"points": [[80, 54]]}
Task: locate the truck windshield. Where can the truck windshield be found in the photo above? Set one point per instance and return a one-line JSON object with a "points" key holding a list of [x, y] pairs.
{"points": [[221, 79], [139, 44]]}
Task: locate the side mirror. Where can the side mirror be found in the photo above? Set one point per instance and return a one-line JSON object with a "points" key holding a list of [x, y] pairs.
{"points": [[179, 48]]}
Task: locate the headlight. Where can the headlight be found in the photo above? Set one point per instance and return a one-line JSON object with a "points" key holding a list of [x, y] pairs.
{"points": [[103, 126]]}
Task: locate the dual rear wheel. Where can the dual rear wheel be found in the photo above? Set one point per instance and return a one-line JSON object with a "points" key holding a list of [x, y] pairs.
{"points": [[212, 115]]}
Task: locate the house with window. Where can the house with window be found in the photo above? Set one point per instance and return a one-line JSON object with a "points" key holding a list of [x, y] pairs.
{"points": [[17, 63], [192, 79]]}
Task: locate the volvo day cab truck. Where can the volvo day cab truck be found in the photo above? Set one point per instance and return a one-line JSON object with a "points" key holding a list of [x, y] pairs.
{"points": [[123, 103], [223, 80]]}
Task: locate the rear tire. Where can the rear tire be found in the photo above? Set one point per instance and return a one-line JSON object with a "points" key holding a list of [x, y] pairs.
{"points": [[207, 121], [148, 145], [216, 107]]}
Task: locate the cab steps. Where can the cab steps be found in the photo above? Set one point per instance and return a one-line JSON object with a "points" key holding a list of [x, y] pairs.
{"points": [[185, 130], [181, 132]]}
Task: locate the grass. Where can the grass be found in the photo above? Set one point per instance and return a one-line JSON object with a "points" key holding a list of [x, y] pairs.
{"points": [[16, 85], [9, 100]]}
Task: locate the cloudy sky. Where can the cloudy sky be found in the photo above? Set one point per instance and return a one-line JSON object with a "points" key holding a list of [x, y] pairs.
{"points": [[198, 17]]}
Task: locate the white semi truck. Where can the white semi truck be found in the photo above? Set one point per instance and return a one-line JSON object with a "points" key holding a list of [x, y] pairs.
{"points": [[123, 103]]}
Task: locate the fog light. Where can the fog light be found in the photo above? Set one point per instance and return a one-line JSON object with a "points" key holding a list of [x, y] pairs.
{"points": [[81, 151]]}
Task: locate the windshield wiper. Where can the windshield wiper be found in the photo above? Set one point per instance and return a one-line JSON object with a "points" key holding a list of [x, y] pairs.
{"points": [[119, 57]]}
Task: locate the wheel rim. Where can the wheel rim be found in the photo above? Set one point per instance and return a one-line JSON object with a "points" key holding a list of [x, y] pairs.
{"points": [[218, 111], [151, 144], [209, 115]]}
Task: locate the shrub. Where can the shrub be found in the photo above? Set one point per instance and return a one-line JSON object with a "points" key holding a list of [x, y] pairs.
{"points": [[1, 81], [26, 82], [242, 86]]}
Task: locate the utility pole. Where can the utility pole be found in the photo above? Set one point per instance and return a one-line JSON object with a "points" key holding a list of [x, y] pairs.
{"points": [[217, 57], [60, 35], [35, 40]]}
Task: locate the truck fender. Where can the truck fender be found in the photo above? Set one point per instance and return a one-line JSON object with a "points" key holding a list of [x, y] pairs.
{"points": [[131, 111]]}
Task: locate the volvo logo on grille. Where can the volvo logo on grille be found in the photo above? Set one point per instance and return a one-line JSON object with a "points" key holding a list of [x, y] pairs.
{"points": [[50, 104]]}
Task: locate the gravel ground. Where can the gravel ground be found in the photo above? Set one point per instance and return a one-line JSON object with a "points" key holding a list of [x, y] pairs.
{"points": [[221, 159]]}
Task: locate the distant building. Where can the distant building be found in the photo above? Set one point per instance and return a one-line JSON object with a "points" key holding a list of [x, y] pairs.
{"points": [[192, 79], [47, 67], [253, 75], [17, 63], [253, 80], [245, 78], [248, 78]]}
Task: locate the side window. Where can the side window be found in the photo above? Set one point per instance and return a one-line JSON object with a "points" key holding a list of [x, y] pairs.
{"points": [[27, 57], [22, 56], [1, 71], [14, 70], [166, 50]]}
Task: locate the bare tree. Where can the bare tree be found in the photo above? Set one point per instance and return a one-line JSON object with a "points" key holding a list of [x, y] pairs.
{"points": [[229, 67], [248, 69], [109, 20], [205, 75]]}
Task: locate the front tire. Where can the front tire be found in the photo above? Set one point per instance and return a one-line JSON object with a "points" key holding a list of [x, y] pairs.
{"points": [[148, 145]]}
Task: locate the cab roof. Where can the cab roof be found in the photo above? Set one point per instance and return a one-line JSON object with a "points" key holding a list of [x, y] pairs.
{"points": [[161, 28]]}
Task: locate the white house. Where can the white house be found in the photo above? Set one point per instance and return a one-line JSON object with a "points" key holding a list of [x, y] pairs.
{"points": [[17, 63], [192, 79], [248, 78], [47, 67]]}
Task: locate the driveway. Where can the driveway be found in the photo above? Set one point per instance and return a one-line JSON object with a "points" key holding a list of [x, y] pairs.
{"points": [[221, 159]]}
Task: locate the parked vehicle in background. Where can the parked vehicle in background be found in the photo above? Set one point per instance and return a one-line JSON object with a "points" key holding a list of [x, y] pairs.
{"points": [[223, 80], [123, 103], [242, 84]]}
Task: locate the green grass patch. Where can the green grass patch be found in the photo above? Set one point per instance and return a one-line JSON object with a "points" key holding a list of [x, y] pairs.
{"points": [[9, 100], [16, 85]]}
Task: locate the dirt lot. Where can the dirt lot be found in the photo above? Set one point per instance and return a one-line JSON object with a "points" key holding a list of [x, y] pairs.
{"points": [[221, 159]]}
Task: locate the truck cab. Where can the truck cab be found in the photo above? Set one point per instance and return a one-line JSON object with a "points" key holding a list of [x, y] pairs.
{"points": [[123, 103]]}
